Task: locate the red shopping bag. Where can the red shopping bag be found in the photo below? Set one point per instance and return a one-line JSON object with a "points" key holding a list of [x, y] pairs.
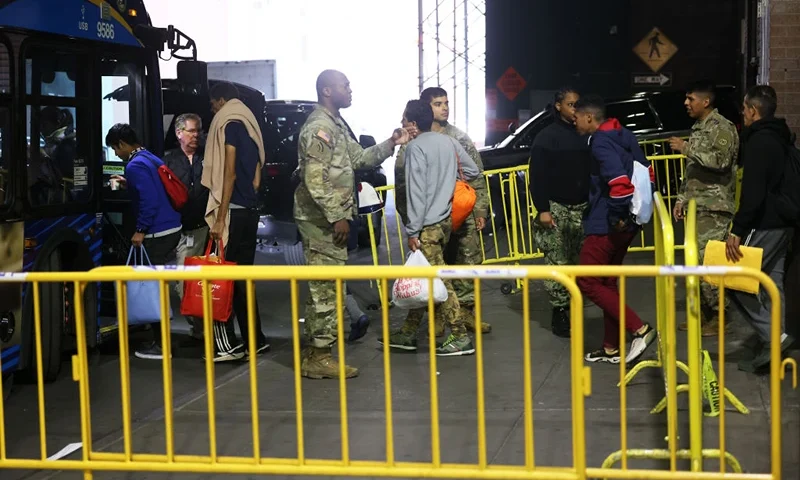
{"points": [[221, 290]]}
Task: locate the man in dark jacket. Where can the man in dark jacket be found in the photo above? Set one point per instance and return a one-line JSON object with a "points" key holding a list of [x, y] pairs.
{"points": [[608, 225], [757, 223], [187, 163], [559, 184]]}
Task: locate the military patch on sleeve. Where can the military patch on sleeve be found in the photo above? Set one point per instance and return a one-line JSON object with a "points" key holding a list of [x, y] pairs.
{"points": [[324, 136]]}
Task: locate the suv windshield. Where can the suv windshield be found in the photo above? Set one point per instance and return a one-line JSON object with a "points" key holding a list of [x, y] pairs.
{"points": [[282, 128]]}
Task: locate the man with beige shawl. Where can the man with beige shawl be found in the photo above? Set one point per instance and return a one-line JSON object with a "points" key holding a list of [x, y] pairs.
{"points": [[234, 157]]}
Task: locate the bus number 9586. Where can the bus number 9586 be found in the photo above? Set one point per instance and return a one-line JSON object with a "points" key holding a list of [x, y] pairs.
{"points": [[105, 30]]}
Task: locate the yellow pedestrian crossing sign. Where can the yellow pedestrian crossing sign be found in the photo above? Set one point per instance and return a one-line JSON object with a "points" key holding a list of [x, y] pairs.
{"points": [[655, 49]]}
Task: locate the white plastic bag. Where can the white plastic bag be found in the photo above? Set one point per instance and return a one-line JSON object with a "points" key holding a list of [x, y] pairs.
{"points": [[642, 201], [411, 293]]}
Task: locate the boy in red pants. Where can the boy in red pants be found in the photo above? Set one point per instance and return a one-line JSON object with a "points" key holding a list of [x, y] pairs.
{"points": [[608, 224]]}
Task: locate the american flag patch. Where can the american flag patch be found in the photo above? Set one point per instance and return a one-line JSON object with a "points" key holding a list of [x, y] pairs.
{"points": [[321, 134]]}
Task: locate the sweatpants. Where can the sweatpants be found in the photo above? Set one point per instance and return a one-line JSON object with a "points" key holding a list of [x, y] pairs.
{"points": [[241, 248], [603, 291], [756, 308]]}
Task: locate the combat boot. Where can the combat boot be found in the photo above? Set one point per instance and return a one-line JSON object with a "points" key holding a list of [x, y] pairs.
{"points": [[560, 325], [468, 315], [318, 363]]}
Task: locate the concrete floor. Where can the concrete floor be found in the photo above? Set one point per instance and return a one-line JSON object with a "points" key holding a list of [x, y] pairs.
{"points": [[747, 436]]}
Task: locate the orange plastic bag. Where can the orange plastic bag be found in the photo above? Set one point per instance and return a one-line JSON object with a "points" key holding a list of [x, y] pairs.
{"points": [[464, 198]]}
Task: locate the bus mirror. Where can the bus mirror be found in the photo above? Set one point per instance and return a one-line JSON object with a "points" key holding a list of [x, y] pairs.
{"points": [[193, 75]]}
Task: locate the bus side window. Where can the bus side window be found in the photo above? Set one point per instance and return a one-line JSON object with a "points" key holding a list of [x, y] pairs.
{"points": [[121, 94], [58, 171]]}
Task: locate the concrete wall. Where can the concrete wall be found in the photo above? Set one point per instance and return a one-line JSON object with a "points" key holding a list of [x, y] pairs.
{"points": [[784, 57]]}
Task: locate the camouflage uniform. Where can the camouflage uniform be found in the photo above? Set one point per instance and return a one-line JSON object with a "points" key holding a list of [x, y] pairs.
{"points": [[710, 178], [327, 155], [561, 245], [433, 240], [464, 247]]}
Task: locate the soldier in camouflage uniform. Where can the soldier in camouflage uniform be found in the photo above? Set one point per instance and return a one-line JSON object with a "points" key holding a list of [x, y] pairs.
{"points": [[323, 207], [710, 178], [464, 247], [559, 183]]}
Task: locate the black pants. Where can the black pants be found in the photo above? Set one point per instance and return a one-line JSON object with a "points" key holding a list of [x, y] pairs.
{"points": [[241, 248], [160, 250]]}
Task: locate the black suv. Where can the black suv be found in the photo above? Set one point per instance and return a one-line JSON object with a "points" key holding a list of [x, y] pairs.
{"points": [[651, 116], [284, 118]]}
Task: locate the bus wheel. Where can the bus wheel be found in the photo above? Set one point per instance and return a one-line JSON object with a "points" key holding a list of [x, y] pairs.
{"points": [[8, 384], [52, 310]]}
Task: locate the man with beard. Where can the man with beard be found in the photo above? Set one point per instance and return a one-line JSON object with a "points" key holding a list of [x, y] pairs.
{"points": [[763, 221]]}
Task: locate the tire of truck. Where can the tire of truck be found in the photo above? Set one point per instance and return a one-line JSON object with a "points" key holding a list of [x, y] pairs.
{"points": [[51, 297]]}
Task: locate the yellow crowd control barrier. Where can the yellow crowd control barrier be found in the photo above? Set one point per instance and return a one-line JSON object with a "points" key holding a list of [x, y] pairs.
{"points": [[507, 240], [259, 462], [509, 235], [665, 302]]}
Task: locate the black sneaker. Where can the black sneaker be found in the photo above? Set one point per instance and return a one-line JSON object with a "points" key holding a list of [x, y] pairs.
{"points": [[235, 353], [151, 351], [358, 328], [760, 364], [601, 356], [640, 343]]}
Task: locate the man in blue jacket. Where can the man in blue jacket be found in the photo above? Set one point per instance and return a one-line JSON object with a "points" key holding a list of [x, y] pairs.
{"points": [[608, 224], [158, 225]]}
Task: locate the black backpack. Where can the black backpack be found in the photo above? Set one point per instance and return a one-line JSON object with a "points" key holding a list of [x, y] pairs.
{"points": [[787, 198]]}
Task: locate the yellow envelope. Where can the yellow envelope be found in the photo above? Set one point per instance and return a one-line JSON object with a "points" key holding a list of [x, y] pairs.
{"points": [[715, 257]]}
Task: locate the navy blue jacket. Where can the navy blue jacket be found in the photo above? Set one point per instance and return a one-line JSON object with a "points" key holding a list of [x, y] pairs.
{"points": [[614, 149], [148, 196]]}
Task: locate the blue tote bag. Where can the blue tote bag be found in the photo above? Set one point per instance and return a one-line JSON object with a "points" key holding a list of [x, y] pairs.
{"points": [[143, 298]]}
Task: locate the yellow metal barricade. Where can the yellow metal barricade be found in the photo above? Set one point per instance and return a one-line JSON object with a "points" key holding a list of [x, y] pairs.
{"points": [[260, 462], [509, 236], [507, 242]]}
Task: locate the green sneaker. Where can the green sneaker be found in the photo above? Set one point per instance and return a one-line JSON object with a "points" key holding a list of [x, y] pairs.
{"points": [[401, 339], [455, 346]]}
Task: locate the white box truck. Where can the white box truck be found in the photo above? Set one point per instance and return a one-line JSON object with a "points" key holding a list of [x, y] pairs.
{"points": [[258, 74]]}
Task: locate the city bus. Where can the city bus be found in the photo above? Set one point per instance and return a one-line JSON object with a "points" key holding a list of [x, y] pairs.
{"points": [[59, 60]]}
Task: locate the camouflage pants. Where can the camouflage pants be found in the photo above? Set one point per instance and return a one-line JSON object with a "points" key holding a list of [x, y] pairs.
{"points": [[711, 226], [320, 322], [464, 248], [561, 245], [433, 241]]}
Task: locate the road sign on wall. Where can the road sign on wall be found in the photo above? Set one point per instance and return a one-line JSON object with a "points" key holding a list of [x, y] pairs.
{"points": [[511, 83], [655, 49]]}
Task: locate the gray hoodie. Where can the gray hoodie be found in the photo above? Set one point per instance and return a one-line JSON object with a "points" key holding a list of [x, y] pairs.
{"points": [[431, 172]]}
